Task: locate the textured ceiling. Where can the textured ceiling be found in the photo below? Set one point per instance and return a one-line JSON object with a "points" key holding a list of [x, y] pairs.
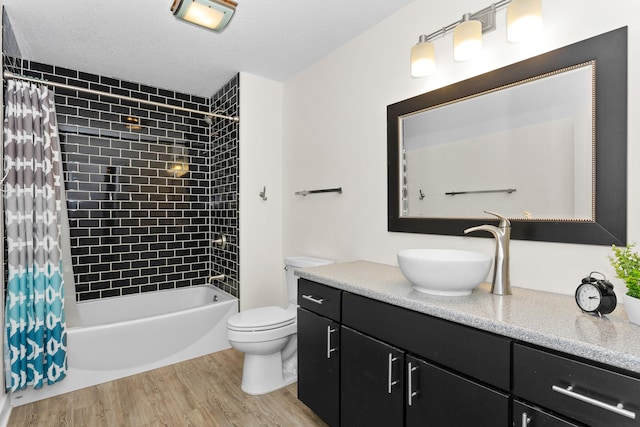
{"points": [[141, 41]]}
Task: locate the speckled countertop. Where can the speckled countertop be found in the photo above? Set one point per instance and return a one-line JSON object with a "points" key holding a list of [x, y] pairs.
{"points": [[546, 319]]}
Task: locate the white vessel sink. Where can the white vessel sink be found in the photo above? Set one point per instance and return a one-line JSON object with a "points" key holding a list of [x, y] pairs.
{"points": [[448, 272]]}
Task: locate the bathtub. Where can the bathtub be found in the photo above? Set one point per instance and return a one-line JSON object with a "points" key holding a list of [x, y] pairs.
{"points": [[126, 335]]}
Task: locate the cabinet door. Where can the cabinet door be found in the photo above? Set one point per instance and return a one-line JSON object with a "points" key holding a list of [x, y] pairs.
{"points": [[372, 382], [437, 397], [527, 416], [319, 365], [463, 349]]}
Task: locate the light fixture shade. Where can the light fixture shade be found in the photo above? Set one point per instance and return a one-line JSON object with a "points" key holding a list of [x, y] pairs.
{"points": [[423, 58], [467, 40], [211, 14], [524, 20]]}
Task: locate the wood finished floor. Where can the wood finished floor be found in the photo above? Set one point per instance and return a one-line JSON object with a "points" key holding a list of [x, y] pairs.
{"points": [[201, 392]]}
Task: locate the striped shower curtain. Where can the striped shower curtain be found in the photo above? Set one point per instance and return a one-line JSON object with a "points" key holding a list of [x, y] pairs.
{"points": [[35, 341]]}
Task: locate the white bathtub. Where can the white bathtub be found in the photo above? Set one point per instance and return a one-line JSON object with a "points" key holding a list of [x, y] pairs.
{"points": [[126, 335]]}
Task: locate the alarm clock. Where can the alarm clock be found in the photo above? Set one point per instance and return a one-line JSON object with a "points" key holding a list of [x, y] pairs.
{"points": [[596, 296]]}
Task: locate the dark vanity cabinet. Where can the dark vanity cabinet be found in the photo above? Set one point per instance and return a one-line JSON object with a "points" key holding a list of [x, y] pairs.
{"points": [[588, 394], [363, 362], [382, 385], [451, 400], [420, 369], [319, 349], [525, 415], [372, 382]]}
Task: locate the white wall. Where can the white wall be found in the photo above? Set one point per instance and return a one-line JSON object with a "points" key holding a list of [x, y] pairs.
{"points": [[335, 135], [261, 266]]}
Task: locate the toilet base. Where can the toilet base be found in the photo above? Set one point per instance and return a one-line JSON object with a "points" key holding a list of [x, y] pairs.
{"points": [[263, 374]]}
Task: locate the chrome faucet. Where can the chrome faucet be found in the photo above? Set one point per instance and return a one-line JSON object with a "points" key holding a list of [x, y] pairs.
{"points": [[500, 284]]}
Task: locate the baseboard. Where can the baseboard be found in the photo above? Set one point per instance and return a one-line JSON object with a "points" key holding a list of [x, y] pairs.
{"points": [[5, 410]]}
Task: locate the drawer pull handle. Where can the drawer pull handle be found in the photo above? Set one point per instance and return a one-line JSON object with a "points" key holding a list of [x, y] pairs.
{"points": [[391, 382], [411, 393], [618, 409], [313, 299], [329, 349]]}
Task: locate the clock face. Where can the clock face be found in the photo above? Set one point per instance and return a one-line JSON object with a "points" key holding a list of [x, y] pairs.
{"points": [[588, 297]]}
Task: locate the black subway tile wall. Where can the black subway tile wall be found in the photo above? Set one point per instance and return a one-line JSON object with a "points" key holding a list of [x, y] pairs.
{"points": [[224, 183], [142, 207]]}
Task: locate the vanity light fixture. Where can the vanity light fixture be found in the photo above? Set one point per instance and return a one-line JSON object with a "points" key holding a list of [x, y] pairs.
{"points": [[467, 39], [423, 58], [211, 14], [524, 21]]}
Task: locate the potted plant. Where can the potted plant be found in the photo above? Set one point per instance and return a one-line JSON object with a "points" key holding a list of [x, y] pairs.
{"points": [[626, 263]]}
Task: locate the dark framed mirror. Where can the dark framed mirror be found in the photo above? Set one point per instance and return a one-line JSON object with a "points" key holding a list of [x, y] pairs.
{"points": [[543, 141]]}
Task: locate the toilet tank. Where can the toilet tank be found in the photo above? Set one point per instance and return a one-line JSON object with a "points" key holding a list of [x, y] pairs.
{"points": [[294, 262]]}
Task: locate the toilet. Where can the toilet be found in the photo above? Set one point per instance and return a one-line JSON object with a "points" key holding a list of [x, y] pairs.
{"points": [[267, 337]]}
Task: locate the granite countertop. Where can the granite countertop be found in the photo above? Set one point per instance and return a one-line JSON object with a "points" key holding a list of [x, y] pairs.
{"points": [[546, 319]]}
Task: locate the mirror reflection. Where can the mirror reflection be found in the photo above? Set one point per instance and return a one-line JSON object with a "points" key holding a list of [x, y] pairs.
{"points": [[525, 150]]}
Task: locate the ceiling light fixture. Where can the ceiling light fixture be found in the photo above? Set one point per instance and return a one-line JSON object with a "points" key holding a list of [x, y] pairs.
{"points": [[524, 21], [211, 14]]}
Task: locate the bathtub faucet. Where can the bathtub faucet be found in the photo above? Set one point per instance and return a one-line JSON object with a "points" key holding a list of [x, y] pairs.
{"points": [[214, 278], [501, 284]]}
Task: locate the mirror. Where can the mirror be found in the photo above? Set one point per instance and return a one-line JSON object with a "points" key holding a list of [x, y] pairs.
{"points": [[517, 131], [542, 141]]}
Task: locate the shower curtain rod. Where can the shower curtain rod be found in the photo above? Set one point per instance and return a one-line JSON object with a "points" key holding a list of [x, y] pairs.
{"points": [[207, 116]]}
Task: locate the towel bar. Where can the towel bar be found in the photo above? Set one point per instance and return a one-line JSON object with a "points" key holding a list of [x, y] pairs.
{"points": [[327, 190]]}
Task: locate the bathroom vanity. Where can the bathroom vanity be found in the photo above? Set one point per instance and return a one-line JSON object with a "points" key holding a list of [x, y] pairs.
{"points": [[374, 352]]}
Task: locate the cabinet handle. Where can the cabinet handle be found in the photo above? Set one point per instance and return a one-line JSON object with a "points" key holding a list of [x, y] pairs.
{"points": [[618, 409], [390, 382], [411, 393], [525, 419], [313, 299], [329, 349]]}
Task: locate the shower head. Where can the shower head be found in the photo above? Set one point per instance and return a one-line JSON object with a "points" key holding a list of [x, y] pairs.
{"points": [[209, 120]]}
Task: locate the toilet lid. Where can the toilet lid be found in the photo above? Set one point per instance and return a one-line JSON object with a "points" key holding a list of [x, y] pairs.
{"points": [[261, 319]]}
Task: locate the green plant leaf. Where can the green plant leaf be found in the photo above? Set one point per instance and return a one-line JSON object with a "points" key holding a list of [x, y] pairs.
{"points": [[626, 263]]}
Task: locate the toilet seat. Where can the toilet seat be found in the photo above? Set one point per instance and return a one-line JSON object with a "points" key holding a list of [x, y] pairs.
{"points": [[261, 319]]}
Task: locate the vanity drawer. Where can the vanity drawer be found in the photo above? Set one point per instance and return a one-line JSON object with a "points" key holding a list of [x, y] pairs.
{"points": [[588, 394], [481, 355], [320, 299], [528, 416]]}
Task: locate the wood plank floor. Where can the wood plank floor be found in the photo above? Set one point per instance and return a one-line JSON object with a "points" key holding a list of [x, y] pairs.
{"points": [[201, 392]]}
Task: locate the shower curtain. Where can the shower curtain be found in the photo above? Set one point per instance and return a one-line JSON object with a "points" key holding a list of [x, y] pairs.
{"points": [[35, 340]]}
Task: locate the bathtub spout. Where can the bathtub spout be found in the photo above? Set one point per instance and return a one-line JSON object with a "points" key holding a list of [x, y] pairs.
{"points": [[214, 278]]}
